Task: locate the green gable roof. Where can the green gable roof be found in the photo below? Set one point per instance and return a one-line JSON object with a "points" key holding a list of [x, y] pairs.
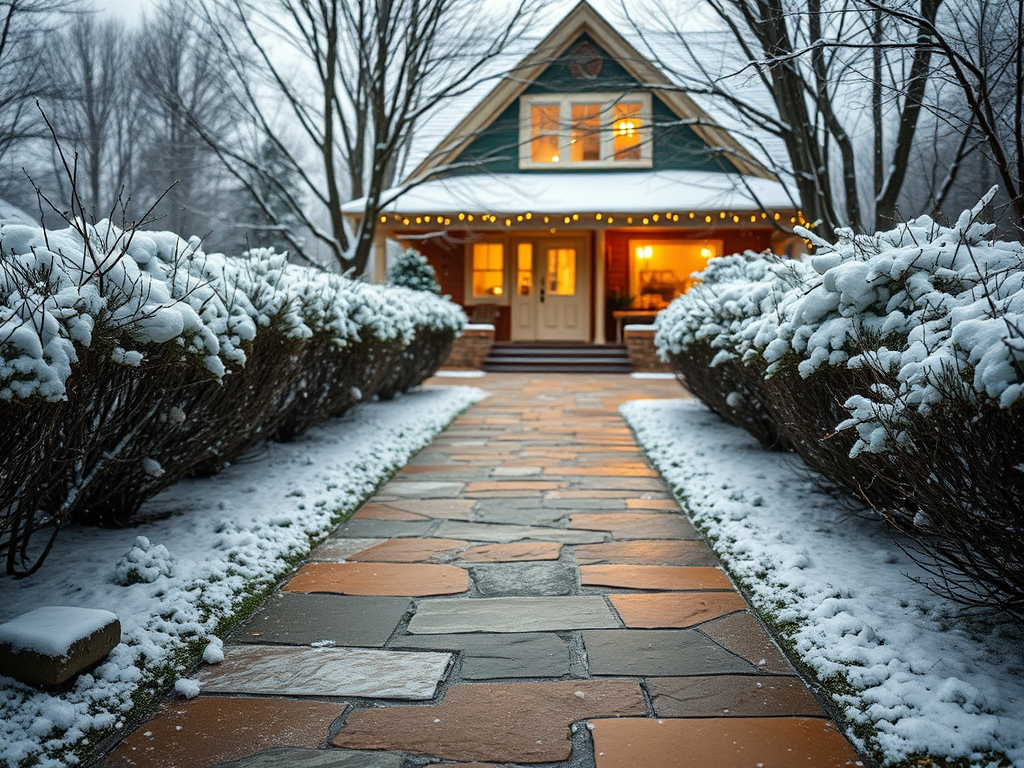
{"points": [[496, 148]]}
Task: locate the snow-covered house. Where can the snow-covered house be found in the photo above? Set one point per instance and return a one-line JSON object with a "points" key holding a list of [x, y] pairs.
{"points": [[581, 193]]}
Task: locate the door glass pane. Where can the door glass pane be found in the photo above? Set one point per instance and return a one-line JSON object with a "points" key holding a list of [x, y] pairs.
{"points": [[544, 133], [488, 269], [524, 271], [561, 276], [585, 137], [626, 125]]}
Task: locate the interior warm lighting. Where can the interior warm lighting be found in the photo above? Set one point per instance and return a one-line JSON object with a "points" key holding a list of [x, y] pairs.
{"points": [[644, 251], [555, 158], [626, 127], [497, 290], [707, 253], [661, 270]]}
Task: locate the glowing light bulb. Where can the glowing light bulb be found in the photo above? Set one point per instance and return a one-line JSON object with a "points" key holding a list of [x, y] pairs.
{"points": [[555, 158]]}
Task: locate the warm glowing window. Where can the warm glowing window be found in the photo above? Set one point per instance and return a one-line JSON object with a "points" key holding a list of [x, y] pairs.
{"points": [[585, 130], [488, 270], [561, 276], [544, 133], [524, 269], [585, 134], [661, 270], [626, 134]]}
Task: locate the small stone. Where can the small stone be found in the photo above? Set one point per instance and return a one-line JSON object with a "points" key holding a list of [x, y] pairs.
{"points": [[52, 644], [511, 614]]}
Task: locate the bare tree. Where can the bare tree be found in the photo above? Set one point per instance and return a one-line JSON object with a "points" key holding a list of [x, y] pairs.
{"points": [[24, 25], [813, 65], [347, 82], [181, 81], [96, 108], [981, 43]]}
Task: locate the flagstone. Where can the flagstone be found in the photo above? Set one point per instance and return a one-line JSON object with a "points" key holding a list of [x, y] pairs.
{"points": [[637, 504], [720, 743], [208, 730], [408, 550], [375, 511], [619, 483], [274, 670], [675, 609], [336, 548], [493, 722], [516, 511], [659, 577], [513, 552], [632, 525], [658, 652], [496, 656], [450, 509], [645, 552], [511, 614], [302, 619], [422, 489], [512, 485], [399, 579], [597, 494], [318, 758], [743, 634], [501, 579], [383, 529], [504, 534], [620, 470], [732, 696]]}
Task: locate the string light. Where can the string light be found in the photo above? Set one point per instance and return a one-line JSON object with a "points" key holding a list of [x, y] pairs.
{"points": [[668, 217]]}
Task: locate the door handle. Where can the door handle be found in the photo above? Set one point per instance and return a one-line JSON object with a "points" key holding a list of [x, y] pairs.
{"points": [[542, 292]]}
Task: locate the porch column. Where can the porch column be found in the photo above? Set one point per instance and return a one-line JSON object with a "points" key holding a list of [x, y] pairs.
{"points": [[380, 266], [599, 287]]}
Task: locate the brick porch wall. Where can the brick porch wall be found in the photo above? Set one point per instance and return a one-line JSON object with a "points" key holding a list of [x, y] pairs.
{"points": [[642, 352], [471, 349]]}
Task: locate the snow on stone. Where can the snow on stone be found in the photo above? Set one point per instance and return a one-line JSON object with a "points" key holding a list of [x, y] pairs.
{"points": [[926, 675], [52, 630], [186, 687], [198, 549]]}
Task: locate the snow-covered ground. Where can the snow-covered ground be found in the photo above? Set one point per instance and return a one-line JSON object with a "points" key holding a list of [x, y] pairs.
{"points": [[198, 549], [911, 671]]}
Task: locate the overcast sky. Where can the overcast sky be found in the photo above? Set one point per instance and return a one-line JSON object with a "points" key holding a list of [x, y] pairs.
{"points": [[129, 10]]}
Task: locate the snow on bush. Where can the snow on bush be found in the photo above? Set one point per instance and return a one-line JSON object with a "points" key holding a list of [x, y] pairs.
{"points": [[894, 365], [131, 358]]}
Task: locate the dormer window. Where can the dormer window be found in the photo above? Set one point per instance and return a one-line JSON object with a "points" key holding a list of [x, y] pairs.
{"points": [[585, 130]]}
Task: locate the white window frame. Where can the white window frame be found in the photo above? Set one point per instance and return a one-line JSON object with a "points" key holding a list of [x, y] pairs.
{"points": [[565, 102]]}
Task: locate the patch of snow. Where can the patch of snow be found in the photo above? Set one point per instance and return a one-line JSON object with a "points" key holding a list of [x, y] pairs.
{"points": [[652, 375], [451, 374], [214, 651], [186, 687], [927, 677], [226, 544]]}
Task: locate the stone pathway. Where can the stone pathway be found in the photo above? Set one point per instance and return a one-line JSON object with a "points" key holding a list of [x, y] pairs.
{"points": [[526, 591]]}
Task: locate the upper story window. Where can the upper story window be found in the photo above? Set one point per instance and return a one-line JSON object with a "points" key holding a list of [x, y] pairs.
{"points": [[585, 130]]}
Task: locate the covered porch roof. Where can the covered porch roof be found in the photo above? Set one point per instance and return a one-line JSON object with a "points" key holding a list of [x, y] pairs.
{"points": [[647, 192]]}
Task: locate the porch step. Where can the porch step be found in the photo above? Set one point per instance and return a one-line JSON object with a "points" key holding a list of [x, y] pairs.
{"points": [[509, 357]]}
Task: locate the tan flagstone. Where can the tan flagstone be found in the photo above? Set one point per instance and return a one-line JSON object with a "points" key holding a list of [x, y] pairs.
{"points": [[493, 722], [656, 552], [675, 609], [210, 730], [775, 742], [660, 577], [515, 552], [399, 579]]}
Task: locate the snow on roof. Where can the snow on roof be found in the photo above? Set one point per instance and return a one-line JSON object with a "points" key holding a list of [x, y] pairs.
{"points": [[587, 192]]}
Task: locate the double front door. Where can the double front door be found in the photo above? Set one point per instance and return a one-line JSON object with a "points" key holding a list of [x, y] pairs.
{"points": [[551, 301]]}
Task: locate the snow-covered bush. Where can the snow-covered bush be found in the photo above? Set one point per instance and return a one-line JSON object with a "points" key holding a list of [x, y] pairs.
{"points": [[131, 358], [703, 335], [411, 270], [895, 366]]}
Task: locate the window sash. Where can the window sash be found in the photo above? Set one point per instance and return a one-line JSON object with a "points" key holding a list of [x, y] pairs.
{"points": [[617, 128]]}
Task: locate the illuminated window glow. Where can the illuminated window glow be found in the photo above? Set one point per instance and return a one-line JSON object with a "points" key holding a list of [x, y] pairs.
{"points": [[488, 270], [592, 130], [660, 270]]}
